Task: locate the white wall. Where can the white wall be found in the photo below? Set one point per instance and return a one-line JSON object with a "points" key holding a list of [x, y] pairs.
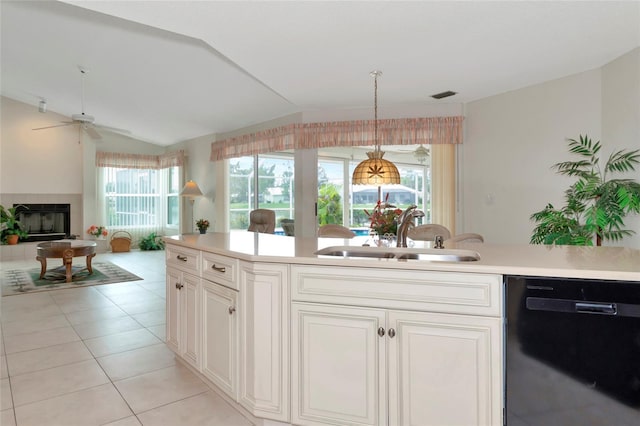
{"points": [[44, 161], [513, 139], [511, 142], [55, 165], [206, 174]]}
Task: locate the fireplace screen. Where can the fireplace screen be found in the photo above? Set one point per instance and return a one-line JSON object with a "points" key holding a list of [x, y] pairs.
{"points": [[44, 222]]}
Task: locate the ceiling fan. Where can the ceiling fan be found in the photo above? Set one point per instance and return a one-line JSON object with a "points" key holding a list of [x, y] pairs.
{"points": [[86, 122], [420, 153]]}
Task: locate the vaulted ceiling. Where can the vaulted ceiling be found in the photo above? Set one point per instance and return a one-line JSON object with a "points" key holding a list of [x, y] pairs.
{"points": [[173, 70]]}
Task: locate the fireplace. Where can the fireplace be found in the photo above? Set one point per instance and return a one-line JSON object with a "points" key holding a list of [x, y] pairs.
{"points": [[45, 222]]}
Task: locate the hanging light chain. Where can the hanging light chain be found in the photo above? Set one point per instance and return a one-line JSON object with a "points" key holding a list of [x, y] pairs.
{"points": [[375, 75]]}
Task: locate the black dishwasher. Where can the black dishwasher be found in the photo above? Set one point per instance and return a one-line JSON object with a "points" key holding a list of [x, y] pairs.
{"points": [[572, 352]]}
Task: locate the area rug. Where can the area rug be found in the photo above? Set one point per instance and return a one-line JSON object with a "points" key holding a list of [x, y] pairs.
{"points": [[21, 281]]}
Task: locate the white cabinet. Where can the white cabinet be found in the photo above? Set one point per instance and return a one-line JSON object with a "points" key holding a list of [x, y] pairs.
{"points": [[356, 366], [318, 344], [383, 365], [443, 369], [220, 337], [338, 365], [183, 303], [183, 315], [264, 340]]}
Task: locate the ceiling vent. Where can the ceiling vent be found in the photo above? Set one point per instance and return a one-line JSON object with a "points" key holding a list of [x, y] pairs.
{"points": [[443, 94]]}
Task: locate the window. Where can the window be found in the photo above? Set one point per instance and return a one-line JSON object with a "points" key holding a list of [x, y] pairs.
{"points": [[173, 201], [346, 204], [274, 183], [140, 201], [332, 200]]}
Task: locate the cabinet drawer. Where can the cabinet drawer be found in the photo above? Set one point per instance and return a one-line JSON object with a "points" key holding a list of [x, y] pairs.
{"points": [[183, 258], [451, 292], [220, 269]]}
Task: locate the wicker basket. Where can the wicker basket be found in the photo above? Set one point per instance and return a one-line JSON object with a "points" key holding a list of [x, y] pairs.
{"points": [[120, 241]]}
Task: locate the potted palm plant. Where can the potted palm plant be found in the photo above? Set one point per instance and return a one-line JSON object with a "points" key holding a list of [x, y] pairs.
{"points": [[10, 227], [596, 204]]}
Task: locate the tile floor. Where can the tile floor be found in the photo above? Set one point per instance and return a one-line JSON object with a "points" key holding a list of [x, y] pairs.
{"points": [[96, 356]]}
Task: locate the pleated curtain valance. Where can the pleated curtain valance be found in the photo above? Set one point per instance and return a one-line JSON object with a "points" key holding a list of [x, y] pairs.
{"points": [[139, 161], [394, 131]]}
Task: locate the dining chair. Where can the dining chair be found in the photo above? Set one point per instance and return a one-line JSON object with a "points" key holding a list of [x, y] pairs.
{"points": [[262, 220], [335, 231], [468, 237], [428, 232], [287, 227]]}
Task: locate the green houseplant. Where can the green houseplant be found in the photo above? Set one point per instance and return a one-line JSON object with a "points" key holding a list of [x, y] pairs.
{"points": [[10, 226], [596, 204], [151, 242]]}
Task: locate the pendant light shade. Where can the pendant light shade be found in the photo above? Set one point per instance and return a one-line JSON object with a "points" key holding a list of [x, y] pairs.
{"points": [[375, 170]]}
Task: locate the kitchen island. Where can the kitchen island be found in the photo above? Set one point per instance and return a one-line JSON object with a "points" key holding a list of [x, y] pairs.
{"points": [[293, 337]]}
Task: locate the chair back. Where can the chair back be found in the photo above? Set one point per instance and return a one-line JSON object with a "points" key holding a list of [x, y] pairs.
{"points": [[335, 231], [287, 227], [262, 220], [428, 232], [468, 237]]}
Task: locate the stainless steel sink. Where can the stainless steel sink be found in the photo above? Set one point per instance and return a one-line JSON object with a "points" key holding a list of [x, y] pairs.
{"points": [[356, 252], [426, 254], [441, 257]]}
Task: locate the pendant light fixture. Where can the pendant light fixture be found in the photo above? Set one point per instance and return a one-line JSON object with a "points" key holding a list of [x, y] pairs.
{"points": [[375, 170]]}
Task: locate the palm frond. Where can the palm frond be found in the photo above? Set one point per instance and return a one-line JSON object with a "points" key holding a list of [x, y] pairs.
{"points": [[622, 161], [574, 168], [584, 146], [629, 196], [595, 207]]}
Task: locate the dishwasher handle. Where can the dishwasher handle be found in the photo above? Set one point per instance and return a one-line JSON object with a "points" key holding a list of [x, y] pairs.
{"points": [[596, 308], [578, 306]]}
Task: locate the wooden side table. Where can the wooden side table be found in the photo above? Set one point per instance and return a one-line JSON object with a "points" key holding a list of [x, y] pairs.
{"points": [[65, 250]]}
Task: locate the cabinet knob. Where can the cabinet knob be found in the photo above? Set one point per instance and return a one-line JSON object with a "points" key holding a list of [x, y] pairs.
{"points": [[381, 332], [179, 286], [232, 309], [392, 333], [218, 268], [182, 258]]}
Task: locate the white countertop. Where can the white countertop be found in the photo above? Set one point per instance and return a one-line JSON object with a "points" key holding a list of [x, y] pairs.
{"points": [[609, 263]]}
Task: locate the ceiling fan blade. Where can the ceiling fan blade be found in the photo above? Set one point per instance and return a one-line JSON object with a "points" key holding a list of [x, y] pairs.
{"points": [[66, 123], [92, 132]]}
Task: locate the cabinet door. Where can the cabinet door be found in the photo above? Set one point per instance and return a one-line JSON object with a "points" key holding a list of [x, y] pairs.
{"points": [[190, 319], [338, 365], [220, 337], [443, 369], [173, 309], [264, 340]]}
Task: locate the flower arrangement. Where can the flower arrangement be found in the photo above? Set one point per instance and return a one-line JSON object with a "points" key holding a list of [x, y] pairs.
{"points": [[202, 224], [383, 217], [97, 231]]}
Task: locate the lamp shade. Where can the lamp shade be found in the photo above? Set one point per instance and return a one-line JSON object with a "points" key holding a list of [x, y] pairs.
{"points": [[375, 171], [191, 189]]}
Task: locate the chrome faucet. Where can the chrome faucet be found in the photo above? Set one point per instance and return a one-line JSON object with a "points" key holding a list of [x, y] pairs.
{"points": [[405, 222]]}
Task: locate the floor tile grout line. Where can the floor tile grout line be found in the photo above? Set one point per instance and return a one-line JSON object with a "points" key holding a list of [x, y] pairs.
{"points": [[155, 284], [207, 390]]}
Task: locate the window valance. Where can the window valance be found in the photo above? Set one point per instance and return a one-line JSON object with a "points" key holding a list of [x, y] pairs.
{"points": [[394, 131], [139, 161]]}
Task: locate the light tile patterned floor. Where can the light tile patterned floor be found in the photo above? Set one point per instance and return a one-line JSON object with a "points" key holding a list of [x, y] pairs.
{"points": [[96, 356]]}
